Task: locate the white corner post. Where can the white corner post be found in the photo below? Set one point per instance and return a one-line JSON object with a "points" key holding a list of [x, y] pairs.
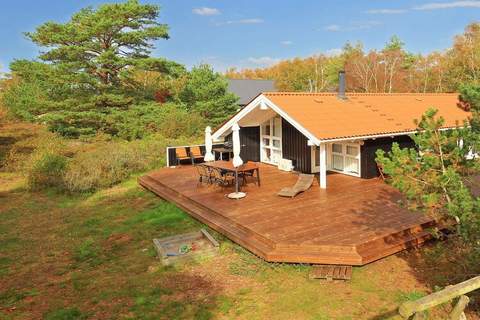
{"points": [[323, 166]]}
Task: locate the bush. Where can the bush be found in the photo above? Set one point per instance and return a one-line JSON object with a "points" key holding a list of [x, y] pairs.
{"points": [[169, 120], [46, 166], [48, 160], [113, 162]]}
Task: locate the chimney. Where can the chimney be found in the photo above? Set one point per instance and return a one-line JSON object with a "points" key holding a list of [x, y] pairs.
{"points": [[341, 85]]}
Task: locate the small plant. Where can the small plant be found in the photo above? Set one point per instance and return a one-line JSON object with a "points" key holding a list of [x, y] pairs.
{"points": [[65, 314], [87, 251]]}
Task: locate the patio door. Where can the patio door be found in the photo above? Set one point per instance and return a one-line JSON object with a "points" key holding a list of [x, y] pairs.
{"points": [[345, 158], [271, 140]]}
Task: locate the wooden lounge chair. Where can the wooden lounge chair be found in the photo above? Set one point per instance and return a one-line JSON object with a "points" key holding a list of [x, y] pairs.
{"points": [[181, 154], [304, 183], [195, 154]]}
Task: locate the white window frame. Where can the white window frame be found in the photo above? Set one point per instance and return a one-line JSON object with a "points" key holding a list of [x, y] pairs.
{"points": [[270, 138], [345, 155]]}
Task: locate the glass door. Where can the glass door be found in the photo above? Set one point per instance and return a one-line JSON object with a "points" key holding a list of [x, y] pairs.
{"points": [[271, 140]]}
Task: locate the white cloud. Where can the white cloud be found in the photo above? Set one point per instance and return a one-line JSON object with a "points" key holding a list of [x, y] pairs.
{"points": [[386, 11], [333, 28], [333, 52], [205, 11], [286, 42], [241, 21], [246, 21], [263, 61], [448, 5], [358, 25]]}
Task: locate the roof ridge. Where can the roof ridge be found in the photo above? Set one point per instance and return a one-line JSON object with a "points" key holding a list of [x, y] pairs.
{"points": [[296, 93]]}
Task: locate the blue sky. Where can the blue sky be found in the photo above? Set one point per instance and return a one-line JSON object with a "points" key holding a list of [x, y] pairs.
{"points": [[249, 33]]}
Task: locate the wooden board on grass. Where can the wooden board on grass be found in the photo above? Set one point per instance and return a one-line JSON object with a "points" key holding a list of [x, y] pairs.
{"points": [[331, 272]]}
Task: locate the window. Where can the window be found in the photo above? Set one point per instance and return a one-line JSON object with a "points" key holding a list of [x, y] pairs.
{"points": [[352, 150], [271, 148], [337, 148], [346, 158]]}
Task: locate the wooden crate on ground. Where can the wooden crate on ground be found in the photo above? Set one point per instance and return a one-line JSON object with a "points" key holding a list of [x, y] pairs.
{"points": [[331, 272], [185, 247]]}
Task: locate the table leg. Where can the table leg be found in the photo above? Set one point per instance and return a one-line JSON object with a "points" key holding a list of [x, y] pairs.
{"points": [[258, 176], [221, 155]]}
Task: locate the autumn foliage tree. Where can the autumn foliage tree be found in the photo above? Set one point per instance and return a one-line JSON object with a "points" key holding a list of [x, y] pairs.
{"points": [[388, 69]]}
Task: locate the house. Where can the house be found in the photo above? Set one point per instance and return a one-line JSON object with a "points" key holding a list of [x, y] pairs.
{"points": [[353, 220], [247, 89], [333, 132]]}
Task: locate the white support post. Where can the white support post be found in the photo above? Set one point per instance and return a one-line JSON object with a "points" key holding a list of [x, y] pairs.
{"points": [[323, 166]]}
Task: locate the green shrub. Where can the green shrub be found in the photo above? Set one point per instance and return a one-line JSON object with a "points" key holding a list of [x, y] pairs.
{"points": [[169, 120], [47, 171], [112, 162], [46, 166]]}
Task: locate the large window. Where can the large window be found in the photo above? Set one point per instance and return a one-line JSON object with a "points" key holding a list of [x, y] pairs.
{"points": [[271, 140]]}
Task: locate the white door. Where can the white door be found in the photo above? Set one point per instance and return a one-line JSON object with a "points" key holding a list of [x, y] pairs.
{"points": [[271, 141], [345, 158]]}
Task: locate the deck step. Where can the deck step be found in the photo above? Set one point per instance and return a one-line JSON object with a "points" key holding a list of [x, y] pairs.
{"points": [[239, 234], [408, 238]]}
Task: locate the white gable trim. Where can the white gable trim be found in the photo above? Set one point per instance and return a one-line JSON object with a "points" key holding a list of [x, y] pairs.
{"points": [[262, 100]]}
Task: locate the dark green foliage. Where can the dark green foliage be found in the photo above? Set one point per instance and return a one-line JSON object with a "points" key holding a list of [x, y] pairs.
{"points": [[102, 42], [206, 93]]}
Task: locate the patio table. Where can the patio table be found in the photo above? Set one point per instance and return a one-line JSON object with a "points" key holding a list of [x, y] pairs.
{"points": [[249, 167]]}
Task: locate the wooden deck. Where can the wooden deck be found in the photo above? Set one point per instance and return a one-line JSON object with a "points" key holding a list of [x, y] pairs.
{"points": [[353, 222]]}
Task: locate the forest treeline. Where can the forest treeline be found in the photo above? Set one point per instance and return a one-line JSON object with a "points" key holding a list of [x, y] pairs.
{"points": [[390, 69]]}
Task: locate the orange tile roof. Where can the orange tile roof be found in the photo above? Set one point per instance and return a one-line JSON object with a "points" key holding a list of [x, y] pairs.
{"points": [[326, 116]]}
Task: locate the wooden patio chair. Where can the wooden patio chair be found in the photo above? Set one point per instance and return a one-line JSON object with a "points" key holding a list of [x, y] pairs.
{"points": [[204, 174], [222, 179], [181, 154], [246, 174], [382, 173], [196, 153], [304, 183]]}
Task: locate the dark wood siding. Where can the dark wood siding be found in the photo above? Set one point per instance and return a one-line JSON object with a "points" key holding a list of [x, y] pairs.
{"points": [[296, 148], [369, 166], [250, 142]]}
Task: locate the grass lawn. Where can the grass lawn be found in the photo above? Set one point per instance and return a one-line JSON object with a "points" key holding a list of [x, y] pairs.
{"points": [[91, 256]]}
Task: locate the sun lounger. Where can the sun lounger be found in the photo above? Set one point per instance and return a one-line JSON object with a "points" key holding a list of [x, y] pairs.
{"points": [[304, 183]]}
